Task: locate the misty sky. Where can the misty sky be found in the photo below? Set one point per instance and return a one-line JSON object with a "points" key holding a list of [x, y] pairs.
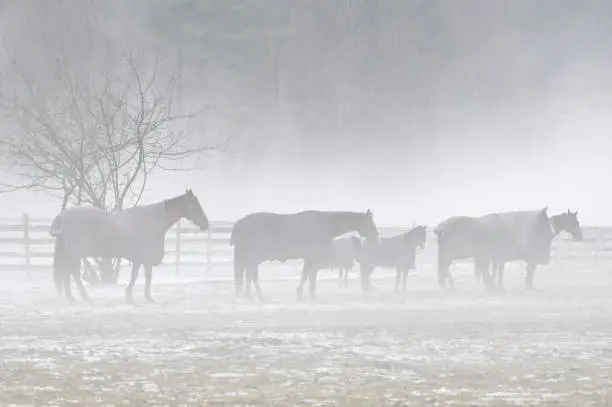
{"points": [[416, 110]]}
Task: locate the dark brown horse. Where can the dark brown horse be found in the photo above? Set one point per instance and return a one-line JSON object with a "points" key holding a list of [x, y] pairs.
{"points": [[563, 222], [397, 252], [136, 234], [497, 237], [307, 235]]}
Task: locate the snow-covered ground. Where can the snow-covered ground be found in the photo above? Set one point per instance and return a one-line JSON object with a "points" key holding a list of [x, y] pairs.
{"points": [[198, 345]]}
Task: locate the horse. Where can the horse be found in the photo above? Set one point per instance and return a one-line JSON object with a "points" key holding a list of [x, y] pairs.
{"points": [[563, 222], [398, 252], [136, 234], [306, 235], [525, 235], [342, 255]]}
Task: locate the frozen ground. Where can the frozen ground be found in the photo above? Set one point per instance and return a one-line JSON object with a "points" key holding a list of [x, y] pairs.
{"points": [[198, 346]]}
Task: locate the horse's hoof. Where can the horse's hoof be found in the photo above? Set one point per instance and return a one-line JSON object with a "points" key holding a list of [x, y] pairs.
{"points": [[149, 300]]}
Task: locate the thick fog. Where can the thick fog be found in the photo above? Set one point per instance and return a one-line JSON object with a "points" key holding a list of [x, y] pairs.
{"points": [[418, 110]]}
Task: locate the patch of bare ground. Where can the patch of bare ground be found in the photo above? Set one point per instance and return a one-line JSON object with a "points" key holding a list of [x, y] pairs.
{"points": [[197, 346]]}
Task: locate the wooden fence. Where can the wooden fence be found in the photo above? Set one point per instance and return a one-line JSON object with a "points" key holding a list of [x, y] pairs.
{"points": [[25, 244]]}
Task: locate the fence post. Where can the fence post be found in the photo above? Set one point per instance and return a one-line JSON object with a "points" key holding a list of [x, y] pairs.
{"points": [[26, 242], [177, 253]]}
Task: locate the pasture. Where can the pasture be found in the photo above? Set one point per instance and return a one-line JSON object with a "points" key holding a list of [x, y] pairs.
{"points": [[198, 345]]}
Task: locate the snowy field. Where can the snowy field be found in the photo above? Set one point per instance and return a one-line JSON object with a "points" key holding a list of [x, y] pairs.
{"points": [[198, 346]]}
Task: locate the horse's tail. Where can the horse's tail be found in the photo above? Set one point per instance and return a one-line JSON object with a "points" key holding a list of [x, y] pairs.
{"points": [[243, 230], [236, 232], [59, 256], [56, 226]]}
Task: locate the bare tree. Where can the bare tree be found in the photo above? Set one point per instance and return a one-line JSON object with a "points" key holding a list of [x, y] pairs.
{"points": [[95, 139]]}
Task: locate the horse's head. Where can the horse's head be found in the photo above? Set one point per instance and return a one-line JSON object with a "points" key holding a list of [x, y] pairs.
{"points": [[418, 235], [568, 222], [190, 209], [367, 228]]}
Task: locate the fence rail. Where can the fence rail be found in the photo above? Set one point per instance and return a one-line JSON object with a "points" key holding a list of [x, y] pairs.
{"points": [[25, 244]]}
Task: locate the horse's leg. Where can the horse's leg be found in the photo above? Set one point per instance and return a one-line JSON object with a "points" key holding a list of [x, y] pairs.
{"points": [[346, 271], [493, 265], [404, 278], [305, 273], [398, 276], [370, 286], [366, 270], [66, 280], [481, 267], [251, 269], [75, 266], [369, 272], [529, 277], [444, 274], [312, 283], [500, 275], [128, 291], [449, 277], [340, 277], [256, 283], [444, 263], [489, 270], [148, 277]]}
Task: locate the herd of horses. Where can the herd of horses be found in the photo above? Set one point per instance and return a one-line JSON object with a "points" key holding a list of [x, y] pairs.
{"points": [[137, 234]]}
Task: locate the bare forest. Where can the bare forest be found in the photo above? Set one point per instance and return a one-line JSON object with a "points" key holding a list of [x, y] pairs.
{"points": [[421, 96]]}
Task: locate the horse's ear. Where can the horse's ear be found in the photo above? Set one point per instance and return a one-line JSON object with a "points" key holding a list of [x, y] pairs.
{"points": [[544, 211], [369, 212]]}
